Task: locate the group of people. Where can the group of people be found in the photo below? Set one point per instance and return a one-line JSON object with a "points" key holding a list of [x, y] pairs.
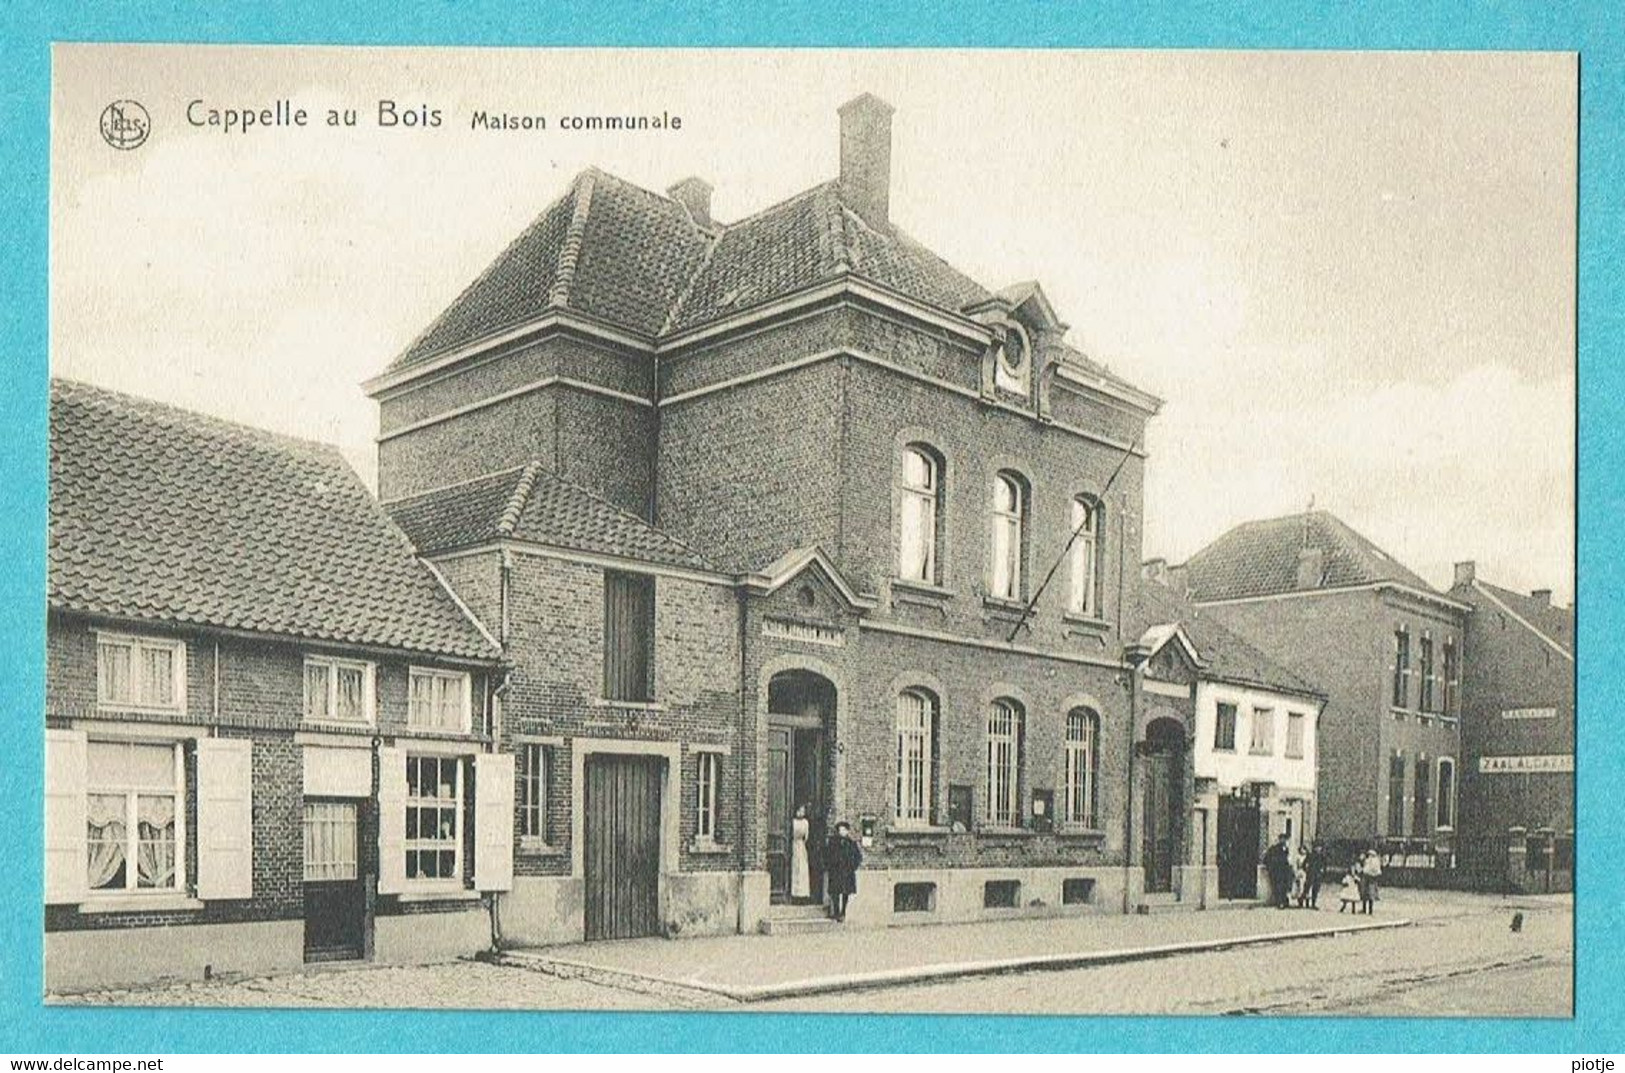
{"points": [[1295, 877], [841, 858]]}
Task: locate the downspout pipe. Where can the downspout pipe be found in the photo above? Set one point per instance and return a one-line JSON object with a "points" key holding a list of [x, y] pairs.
{"points": [[1134, 657]]}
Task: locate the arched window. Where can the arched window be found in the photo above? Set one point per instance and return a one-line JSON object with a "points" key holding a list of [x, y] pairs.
{"points": [[1082, 732], [916, 726], [1009, 537], [1085, 555], [1447, 793], [920, 495], [1002, 796]]}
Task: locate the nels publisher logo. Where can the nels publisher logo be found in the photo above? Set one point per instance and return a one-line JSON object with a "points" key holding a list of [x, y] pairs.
{"points": [[125, 124]]}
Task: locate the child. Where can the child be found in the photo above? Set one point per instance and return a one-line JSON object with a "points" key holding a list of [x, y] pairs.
{"points": [[1348, 896]]}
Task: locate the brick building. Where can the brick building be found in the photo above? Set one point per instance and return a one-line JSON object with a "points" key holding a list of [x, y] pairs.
{"points": [[268, 725], [1387, 650], [1517, 733], [803, 483]]}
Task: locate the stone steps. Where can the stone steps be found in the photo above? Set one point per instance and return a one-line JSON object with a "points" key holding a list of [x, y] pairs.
{"points": [[797, 920]]}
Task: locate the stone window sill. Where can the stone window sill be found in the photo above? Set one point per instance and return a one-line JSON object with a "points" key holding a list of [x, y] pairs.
{"points": [[531, 846], [443, 895], [1088, 622], [708, 848], [920, 831], [1094, 833], [629, 705], [141, 903], [908, 587]]}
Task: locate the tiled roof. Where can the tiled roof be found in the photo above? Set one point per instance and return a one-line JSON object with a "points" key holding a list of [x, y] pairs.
{"points": [[1556, 622], [531, 503], [635, 259], [162, 515], [1226, 656], [1261, 558]]}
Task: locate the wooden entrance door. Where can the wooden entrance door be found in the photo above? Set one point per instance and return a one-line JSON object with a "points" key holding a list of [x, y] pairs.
{"points": [[1239, 822], [622, 848], [795, 776], [335, 896], [780, 741], [1162, 809]]}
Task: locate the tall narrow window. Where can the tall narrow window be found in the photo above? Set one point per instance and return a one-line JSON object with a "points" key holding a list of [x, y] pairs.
{"points": [[1447, 793], [1422, 812], [1263, 741], [916, 718], [1224, 727], [434, 807], [707, 792], [629, 633], [1294, 734], [1396, 794], [530, 775], [1082, 730], [1448, 706], [1003, 803], [1402, 668], [1425, 674], [1085, 595], [917, 524], [1009, 508]]}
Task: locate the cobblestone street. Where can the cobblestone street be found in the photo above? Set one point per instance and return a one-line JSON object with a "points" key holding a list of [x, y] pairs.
{"points": [[1458, 957]]}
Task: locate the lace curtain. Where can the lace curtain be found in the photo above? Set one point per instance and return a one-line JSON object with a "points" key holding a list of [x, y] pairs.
{"points": [[107, 833]]}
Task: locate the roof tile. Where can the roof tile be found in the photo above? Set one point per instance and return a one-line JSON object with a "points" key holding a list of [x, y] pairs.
{"points": [[1260, 558]]}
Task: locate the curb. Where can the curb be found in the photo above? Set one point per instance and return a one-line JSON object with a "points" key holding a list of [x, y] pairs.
{"points": [[864, 981]]}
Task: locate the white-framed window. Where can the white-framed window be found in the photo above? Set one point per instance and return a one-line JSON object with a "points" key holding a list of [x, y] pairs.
{"points": [[1084, 598], [1448, 680], [1295, 722], [1424, 702], [1082, 731], [1447, 793], [1009, 514], [1263, 740], [146, 673], [439, 700], [916, 723], [338, 690], [1003, 801], [530, 778], [1224, 727], [135, 816], [1402, 668], [707, 794], [434, 811], [919, 497], [330, 841]]}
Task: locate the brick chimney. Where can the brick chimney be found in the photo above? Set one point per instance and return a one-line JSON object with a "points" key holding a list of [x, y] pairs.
{"points": [[866, 159], [1543, 596], [693, 194], [1179, 580], [1465, 572], [1155, 570], [1311, 568]]}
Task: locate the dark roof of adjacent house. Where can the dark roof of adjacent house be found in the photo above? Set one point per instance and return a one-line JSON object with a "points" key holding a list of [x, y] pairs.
{"points": [[616, 252], [1555, 622], [166, 516], [1225, 656], [1260, 558], [533, 504]]}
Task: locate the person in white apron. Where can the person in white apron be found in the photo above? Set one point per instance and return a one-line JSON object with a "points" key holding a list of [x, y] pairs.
{"points": [[800, 878]]}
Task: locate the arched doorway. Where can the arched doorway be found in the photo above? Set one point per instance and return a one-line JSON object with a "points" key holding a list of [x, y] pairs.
{"points": [[1164, 757], [800, 718]]}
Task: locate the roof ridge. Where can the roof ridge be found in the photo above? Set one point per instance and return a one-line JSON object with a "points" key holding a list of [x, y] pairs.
{"points": [[558, 292], [674, 311], [841, 252], [424, 493], [518, 498], [145, 406], [777, 205]]}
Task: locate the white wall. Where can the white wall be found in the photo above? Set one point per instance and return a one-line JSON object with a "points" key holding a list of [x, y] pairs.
{"points": [[1229, 769]]}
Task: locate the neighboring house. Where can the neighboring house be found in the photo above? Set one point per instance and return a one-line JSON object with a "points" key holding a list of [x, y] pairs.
{"points": [[1253, 755], [803, 479], [268, 724], [1385, 647], [1517, 729]]}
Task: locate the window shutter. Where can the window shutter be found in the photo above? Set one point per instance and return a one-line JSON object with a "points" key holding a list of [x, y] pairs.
{"points": [[225, 818], [493, 821], [391, 821], [65, 862]]}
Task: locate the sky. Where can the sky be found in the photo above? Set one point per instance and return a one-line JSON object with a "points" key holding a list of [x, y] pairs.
{"points": [[1351, 276]]}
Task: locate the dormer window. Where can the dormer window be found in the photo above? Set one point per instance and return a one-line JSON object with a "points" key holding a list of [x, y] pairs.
{"points": [[1012, 367]]}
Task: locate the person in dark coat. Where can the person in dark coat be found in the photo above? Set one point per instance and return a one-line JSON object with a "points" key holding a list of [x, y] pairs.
{"points": [[841, 860], [1314, 866], [1278, 864]]}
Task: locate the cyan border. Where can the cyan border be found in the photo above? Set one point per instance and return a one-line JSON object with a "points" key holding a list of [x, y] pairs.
{"points": [[1579, 25]]}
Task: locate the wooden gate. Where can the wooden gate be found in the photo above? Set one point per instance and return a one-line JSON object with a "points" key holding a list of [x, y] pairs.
{"points": [[622, 848], [1239, 823]]}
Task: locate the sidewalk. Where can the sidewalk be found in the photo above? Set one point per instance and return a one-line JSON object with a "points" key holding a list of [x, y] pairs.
{"points": [[755, 968]]}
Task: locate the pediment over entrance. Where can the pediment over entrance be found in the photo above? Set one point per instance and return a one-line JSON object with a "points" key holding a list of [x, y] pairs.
{"points": [[1173, 657], [807, 578]]}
